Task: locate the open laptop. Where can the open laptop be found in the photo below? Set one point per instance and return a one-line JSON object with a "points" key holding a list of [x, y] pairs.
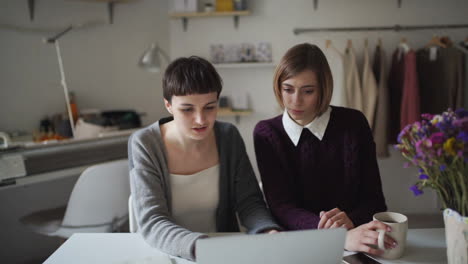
{"points": [[323, 246]]}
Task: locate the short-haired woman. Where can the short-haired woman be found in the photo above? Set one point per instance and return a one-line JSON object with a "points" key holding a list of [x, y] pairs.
{"points": [[317, 162], [190, 174]]}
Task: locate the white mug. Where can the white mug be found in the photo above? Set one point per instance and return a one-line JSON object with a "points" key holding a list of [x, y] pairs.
{"points": [[399, 224]]}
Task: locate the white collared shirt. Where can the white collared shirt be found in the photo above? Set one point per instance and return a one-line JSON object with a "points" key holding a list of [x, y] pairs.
{"points": [[316, 127]]}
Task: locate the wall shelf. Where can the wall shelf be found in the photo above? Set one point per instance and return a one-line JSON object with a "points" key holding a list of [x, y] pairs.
{"points": [[110, 6], [186, 15], [243, 65], [226, 112]]}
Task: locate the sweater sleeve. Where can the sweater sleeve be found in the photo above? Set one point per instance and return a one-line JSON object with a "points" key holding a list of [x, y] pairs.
{"points": [[370, 198], [277, 186], [149, 196], [251, 207]]}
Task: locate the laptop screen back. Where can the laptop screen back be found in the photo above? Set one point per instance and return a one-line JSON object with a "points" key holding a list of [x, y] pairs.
{"points": [[296, 247]]}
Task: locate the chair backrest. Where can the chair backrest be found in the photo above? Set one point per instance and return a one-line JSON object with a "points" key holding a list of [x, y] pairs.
{"points": [[131, 216], [99, 197]]}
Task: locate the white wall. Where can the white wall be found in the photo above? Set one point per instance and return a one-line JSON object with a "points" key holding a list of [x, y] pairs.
{"points": [[100, 61], [274, 21]]}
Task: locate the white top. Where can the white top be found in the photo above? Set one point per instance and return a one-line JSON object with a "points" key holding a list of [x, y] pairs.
{"points": [[316, 127], [336, 62], [195, 199]]}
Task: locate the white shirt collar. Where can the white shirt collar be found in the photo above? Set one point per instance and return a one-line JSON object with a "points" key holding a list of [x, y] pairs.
{"points": [[316, 127]]}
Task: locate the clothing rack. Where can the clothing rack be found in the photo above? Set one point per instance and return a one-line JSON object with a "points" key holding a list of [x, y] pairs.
{"points": [[396, 28]]}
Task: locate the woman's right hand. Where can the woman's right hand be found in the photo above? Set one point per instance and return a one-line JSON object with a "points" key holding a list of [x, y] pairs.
{"points": [[362, 237]]}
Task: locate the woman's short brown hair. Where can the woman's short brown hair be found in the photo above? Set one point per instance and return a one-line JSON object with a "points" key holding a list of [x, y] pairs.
{"points": [[192, 75], [298, 59]]}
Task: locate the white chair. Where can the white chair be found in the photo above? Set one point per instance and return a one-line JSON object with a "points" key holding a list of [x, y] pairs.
{"points": [[98, 203], [131, 216]]}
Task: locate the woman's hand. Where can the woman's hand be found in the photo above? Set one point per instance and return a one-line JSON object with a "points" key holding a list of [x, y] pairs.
{"points": [[333, 219], [362, 237], [271, 231]]}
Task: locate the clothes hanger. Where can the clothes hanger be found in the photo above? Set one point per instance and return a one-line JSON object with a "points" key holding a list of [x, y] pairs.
{"points": [[378, 46], [403, 46], [465, 42], [435, 41], [329, 45], [349, 45], [446, 40]]}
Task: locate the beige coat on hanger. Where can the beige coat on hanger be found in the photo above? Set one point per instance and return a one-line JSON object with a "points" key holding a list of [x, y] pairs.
{"points": [[352, 80], [369, 89]]}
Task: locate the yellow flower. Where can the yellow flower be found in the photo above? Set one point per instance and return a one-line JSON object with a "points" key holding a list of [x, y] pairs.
{"points": [[436, 119], [449, 146]]}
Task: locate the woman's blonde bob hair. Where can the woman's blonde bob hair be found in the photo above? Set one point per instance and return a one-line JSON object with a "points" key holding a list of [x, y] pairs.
{"points": [[298, 59]]}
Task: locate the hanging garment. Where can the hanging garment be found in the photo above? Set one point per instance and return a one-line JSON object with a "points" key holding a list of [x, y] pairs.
{"points": [[336, 61], [369, 89], [395, 88], [463, 47], [381, 120], [410, 101], [352, 81], [441, 76]]}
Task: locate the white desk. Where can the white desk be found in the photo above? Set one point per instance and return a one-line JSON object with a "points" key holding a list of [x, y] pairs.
{"points": [[424, 246]]}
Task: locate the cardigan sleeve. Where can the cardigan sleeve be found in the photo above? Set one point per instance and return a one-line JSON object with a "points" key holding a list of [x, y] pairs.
{"points": [[149, 196], [250, 205], [370, 198], [279, 191]]}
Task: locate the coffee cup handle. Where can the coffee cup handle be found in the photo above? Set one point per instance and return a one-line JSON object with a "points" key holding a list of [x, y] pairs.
{"points": [[381, 239]]}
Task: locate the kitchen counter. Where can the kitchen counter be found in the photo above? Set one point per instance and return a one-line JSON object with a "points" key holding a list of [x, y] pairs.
{"points": [[39, 158]]}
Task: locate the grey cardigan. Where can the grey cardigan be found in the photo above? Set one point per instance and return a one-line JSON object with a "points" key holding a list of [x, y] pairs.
{"points": [[151, 192]]}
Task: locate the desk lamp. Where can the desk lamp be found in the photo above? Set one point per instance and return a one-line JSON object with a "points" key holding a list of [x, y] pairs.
{"points": [[63, 81], [150, 60]]}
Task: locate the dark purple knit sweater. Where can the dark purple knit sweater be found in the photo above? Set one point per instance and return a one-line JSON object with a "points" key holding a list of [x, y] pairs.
{"points": [[339, 171]]}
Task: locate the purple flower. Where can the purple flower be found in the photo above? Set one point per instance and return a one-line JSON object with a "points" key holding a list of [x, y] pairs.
{"points": [[423, 177], [461, 113], [462, 123], [437, 138], [421, 170], [427, 116], [442, 167], [416, 190], [463, 136], [403, 133]]}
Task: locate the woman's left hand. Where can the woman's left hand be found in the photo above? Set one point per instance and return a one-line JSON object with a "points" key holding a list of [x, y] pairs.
{"points": [[333, 219], [271, 231]]}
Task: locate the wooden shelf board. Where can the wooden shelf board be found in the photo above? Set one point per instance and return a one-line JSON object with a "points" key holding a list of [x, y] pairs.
{"points": [[230, 112], [243, 65], [209, 14]]}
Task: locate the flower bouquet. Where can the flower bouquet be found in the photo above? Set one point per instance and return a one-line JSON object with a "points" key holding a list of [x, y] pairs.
{"points": [[438, 146]]}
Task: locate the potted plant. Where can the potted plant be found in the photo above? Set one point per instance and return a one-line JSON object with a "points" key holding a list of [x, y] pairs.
{"points": [[438, 146]]}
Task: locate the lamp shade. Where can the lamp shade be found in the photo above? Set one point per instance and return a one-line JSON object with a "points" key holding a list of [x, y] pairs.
{"points": [[150, 60]]}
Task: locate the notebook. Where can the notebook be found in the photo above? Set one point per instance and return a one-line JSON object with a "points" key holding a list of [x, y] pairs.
{"points": [[295, 247]]}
